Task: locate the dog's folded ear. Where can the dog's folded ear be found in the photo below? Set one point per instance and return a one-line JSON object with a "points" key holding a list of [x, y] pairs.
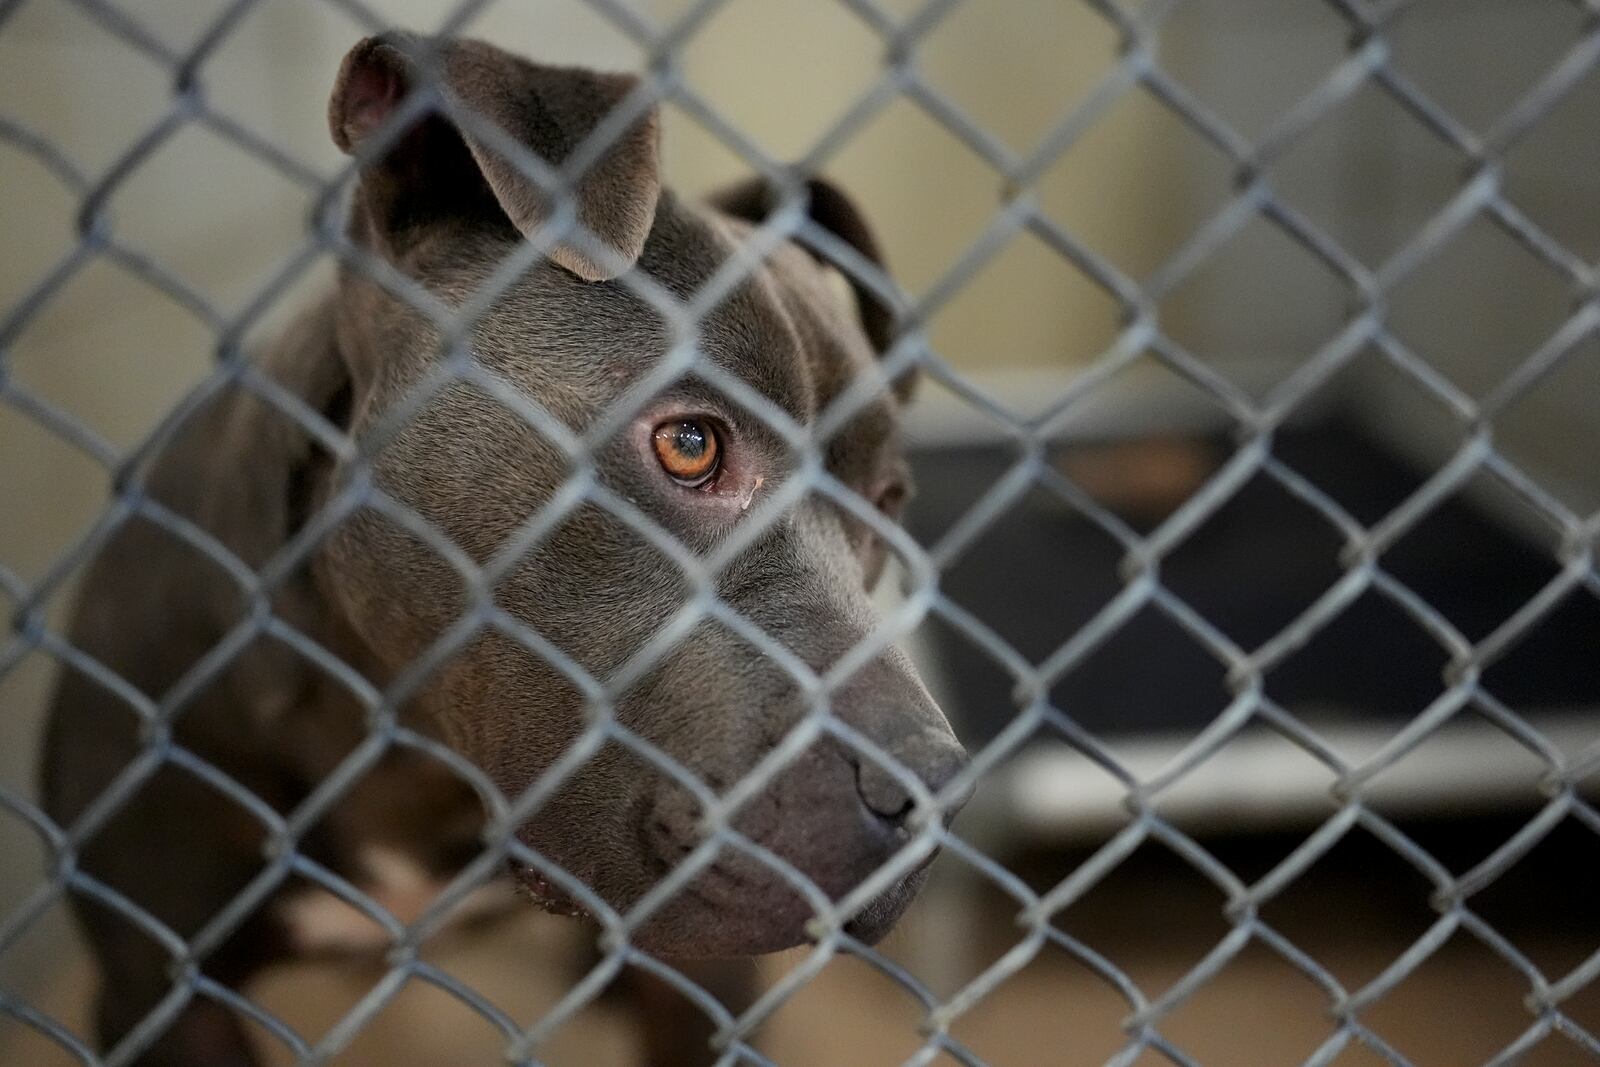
{"points": [[834, 212], [436, 170]]}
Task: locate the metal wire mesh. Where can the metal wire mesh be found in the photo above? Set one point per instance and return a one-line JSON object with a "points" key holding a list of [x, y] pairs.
{"points": [[1481, 195]]}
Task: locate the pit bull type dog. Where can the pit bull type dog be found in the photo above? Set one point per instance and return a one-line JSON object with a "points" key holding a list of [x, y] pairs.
{"points": [[169, 627]]}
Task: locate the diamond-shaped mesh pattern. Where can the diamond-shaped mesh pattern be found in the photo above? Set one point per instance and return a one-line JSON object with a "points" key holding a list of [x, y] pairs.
{"points": [[1369, 65]]}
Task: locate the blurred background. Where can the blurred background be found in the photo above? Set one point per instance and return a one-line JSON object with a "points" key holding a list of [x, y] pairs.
{"points": [[1135, 189]]}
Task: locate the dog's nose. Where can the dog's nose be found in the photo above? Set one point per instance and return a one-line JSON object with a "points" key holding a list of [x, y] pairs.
{"points": [[935, 761]]}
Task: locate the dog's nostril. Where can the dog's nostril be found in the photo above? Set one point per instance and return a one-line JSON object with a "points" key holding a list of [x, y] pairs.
{"points": [[885, 797], [881, 793]]}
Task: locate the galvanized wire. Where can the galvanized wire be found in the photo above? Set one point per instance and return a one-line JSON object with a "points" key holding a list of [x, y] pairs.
{"points": [[1369, 62]]}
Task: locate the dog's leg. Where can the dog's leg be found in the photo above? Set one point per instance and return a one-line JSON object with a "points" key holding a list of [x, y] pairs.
{"points": [[204, 1034], [676, 1033], [180, 855]]}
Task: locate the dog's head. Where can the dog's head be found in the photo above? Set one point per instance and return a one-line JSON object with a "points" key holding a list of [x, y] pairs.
{"points": [[585, 594]]}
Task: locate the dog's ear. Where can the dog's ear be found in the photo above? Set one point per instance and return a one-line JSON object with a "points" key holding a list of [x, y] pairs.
{"points": [[833, 211], [435, 171]]}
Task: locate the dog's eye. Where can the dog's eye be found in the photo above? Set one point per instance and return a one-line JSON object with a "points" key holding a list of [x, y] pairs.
{"points": [[688, 450]]}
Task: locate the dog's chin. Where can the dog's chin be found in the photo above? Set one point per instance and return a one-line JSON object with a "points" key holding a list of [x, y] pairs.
{"points": [[701, 923], [874, 921], [711, 919]]}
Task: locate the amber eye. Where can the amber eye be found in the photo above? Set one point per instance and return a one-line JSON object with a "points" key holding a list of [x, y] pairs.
{"points": [[688, 450]]}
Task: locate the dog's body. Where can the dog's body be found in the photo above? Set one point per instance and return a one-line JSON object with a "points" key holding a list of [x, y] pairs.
{"points": [[172, 624]]}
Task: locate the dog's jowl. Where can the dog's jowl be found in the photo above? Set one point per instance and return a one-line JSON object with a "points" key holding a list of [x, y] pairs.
{"points": [[498, 589]]}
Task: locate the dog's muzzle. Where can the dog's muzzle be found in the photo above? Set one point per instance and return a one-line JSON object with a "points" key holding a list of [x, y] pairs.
{"points": [[831, 820]]}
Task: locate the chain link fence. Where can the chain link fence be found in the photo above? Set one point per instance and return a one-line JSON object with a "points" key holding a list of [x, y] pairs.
{"points": [[1256, 420]]}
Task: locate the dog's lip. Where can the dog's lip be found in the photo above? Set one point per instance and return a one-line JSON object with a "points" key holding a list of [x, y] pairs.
{"points": [[540, 891]]}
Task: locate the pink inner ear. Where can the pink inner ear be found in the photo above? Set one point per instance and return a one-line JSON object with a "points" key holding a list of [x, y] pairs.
{"points": [[374, 91]]}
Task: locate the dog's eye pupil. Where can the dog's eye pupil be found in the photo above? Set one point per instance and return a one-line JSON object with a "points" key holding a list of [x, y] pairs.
{"points": [[687, 449]]}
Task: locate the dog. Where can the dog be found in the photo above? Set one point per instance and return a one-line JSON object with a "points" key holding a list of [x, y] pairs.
{"points": [[197, 675]]}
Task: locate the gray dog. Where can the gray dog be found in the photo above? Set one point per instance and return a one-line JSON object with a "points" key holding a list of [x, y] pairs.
{"points": [[440, 203]]}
